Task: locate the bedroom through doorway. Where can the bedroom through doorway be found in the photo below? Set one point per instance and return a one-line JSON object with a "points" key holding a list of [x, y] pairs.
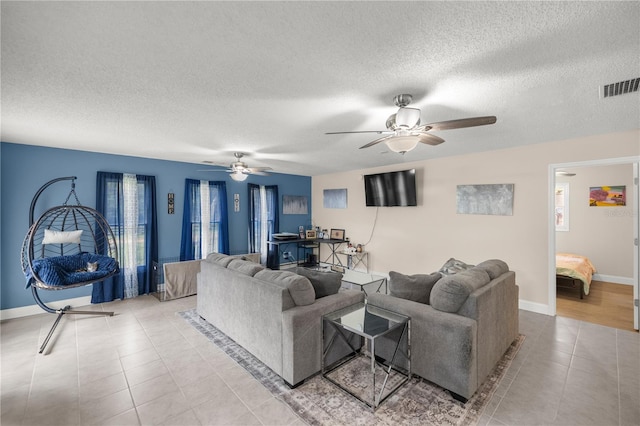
{"points": [[605, 235]]}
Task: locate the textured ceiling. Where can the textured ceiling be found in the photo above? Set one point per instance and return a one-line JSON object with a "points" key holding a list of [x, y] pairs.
{"points": [[195, 81]]}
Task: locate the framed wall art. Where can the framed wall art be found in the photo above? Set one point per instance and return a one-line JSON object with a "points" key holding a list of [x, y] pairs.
{"points": [[294, 204], [608, 196], [334, 198], [492, 199]]}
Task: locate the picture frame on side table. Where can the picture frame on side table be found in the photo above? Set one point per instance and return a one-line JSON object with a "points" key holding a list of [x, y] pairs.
{"points": [[337, 234], [311, 234]]}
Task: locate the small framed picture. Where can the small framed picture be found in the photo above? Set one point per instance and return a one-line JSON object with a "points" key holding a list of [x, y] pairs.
{"points": [[311, 234], [337, 234]]}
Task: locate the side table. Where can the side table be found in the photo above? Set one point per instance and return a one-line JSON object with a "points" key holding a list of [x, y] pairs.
{"points": [[386, 350]]}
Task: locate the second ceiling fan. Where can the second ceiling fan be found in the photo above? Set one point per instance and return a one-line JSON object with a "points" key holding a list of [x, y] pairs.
{"points": [[404, 130]]}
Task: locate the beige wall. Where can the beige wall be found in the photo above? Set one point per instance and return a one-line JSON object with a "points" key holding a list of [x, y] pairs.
{"points": [[604, 234], [420, 239]]}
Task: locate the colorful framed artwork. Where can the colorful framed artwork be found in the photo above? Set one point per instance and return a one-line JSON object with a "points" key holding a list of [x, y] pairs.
{"points": [[608, 196], [311, 234]]}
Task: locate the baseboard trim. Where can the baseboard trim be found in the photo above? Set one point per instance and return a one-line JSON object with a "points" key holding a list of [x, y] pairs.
{"points": [[538, 308], [25, 311], [613, 279]]}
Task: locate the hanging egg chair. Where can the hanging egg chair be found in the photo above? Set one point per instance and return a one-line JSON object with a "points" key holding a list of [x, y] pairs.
{"points": [[68, 246]]}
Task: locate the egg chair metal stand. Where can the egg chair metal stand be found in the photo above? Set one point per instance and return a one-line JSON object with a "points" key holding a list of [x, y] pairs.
{"points": [[68, 246]]}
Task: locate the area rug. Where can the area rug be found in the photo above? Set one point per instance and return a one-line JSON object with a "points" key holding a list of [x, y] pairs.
{"points": [[319, 402]]}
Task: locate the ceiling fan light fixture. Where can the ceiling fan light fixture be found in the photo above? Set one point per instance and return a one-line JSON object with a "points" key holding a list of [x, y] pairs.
{"points": [[408, 117], [402, 144], [238, 176]]}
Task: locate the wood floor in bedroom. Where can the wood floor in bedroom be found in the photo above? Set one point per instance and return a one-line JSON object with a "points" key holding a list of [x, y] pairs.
{"points": [[606, 304]]}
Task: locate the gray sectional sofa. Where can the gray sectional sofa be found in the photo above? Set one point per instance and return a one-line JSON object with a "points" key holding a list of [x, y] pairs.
{"points": [[461, 324], [273, 314]]}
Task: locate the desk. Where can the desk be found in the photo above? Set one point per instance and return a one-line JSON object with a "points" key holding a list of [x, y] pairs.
{"points": [[273, 262]]}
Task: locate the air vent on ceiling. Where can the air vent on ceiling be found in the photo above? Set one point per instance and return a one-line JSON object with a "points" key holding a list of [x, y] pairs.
{"points": [[619, 88]]}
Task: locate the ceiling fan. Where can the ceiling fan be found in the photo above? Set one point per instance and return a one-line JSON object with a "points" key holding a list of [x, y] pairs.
{"points": [[404, 130], [239, 169]]}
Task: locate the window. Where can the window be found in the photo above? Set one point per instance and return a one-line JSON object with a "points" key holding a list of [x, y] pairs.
{"points": [[562, 206], [127, 201], [204, 222], [263, 220]]}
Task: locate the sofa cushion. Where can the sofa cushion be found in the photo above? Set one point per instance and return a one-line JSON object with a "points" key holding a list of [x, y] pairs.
{"points": [[299, 287], [453, 266], [450, 293], [493, 267], [324, 283], [412, 287], [245, 266], [219, 258]]}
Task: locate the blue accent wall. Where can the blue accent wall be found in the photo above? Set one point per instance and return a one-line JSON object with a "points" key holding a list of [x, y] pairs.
{"points": [[25, 168]]}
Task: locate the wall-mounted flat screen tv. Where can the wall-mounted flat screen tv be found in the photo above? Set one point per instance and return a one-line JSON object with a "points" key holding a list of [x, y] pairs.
{"points": [[392, 189]]}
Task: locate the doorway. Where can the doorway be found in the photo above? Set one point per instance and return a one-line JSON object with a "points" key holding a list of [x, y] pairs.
{"points": [[606, 235]]}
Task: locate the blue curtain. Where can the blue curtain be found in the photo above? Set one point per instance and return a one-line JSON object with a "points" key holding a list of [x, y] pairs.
{"points": [[192, 219], [110, 203], [273, 220]]}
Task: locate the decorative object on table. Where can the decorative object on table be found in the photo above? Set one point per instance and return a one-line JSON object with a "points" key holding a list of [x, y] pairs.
{"points": [[493, 199], [294, 204], [608, 196], [359, 248], [337, 234], [310, 234], [334, 198], [318, 402]]}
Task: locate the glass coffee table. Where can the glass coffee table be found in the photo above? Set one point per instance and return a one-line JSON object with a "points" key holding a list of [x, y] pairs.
{"points": [[364, 279], [366, 352]]}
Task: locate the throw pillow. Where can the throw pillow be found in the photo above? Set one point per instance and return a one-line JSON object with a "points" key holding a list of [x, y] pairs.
{"points": [[493, 267], [453, 266], [450, 293], [61, 237], [324, 283], [219, 258], [244, 266], [412, 287], [299, 287]]}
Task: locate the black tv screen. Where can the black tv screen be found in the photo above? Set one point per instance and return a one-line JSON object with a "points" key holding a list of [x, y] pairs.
{"points": [[392, 189]]}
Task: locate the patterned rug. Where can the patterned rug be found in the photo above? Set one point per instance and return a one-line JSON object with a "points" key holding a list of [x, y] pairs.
{"points": [[319, 402]]}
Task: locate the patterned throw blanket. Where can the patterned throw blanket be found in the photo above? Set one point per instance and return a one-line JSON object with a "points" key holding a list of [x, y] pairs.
{"points": [[68, 270], [575, 266]]}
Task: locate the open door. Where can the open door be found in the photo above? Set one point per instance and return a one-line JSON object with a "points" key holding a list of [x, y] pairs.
{"points": [[636, 249]]}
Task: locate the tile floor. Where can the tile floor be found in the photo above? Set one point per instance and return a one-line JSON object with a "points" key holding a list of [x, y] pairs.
{"points": [[146, 365]]}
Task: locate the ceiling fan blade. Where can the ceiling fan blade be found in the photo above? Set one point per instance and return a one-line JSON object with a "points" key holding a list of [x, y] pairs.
{"points": [[258, 173], [380, 132], [214, 170], [257, 169], [377, 141], [429, 139], [459, 124]]}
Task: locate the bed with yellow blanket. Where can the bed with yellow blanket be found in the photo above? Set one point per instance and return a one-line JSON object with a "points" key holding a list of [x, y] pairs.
{"points": [[574, 271]]}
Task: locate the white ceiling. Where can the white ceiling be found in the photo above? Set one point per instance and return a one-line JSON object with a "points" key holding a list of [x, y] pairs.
{"points": [[195, 81]]}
